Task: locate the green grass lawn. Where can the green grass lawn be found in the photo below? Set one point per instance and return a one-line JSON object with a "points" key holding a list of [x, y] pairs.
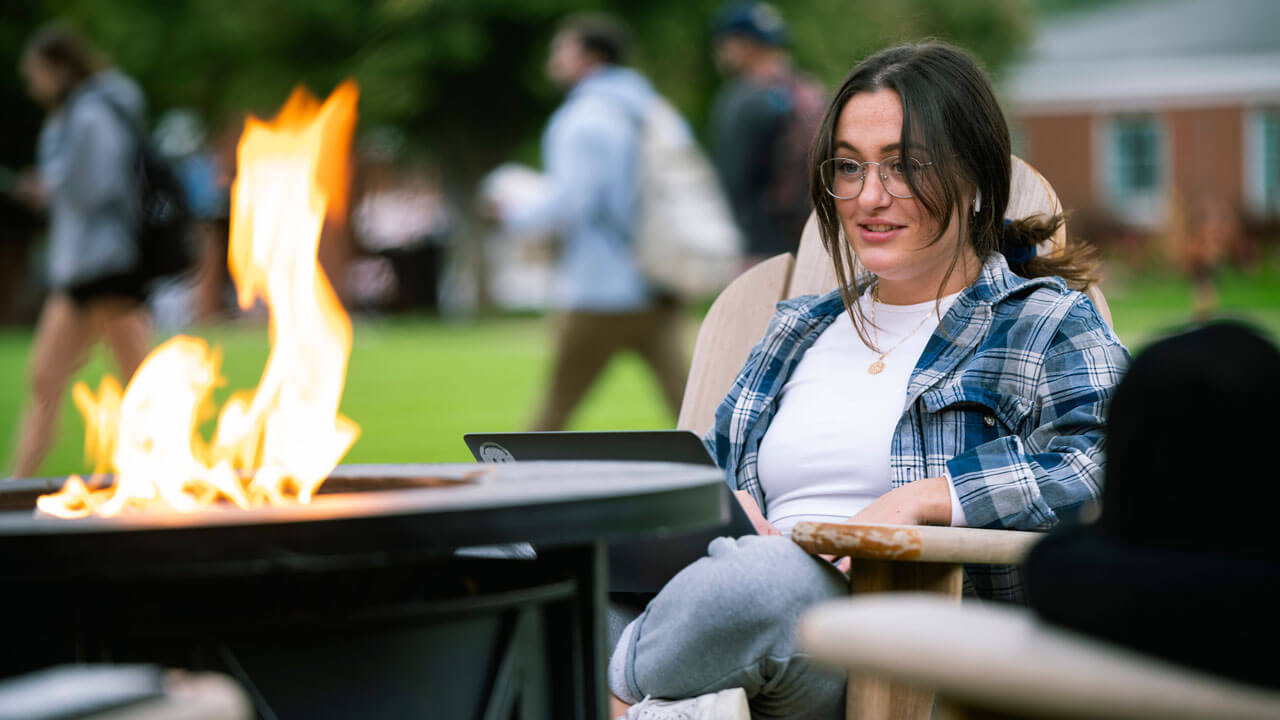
{"points": [[1146, 304], [415, 386]]}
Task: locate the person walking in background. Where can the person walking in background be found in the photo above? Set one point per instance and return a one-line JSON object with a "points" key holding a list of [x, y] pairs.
{"points": [[762, 122], [181, 137], [590, 150], [212, 294], [85, 177]]}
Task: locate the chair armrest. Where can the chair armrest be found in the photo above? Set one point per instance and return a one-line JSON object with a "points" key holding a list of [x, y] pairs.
{"points": [[1002, 657], [915, 543]]}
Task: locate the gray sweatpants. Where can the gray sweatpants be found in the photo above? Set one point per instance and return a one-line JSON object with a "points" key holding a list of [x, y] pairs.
{"points": [[728, 620]]}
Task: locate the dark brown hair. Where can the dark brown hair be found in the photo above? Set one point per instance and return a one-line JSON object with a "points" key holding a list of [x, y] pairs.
{"points": [[63, 48], [950, 111], [601, 34]]}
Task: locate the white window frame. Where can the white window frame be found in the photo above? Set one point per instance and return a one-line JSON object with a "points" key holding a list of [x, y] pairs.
{"points": [[1260, 202], [1146, 209]]}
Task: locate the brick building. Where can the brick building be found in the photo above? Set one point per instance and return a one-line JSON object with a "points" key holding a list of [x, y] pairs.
{"points": [[1145, 110]]}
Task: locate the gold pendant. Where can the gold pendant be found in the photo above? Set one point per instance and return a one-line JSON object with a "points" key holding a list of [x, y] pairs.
{"points": [[876, 367]]}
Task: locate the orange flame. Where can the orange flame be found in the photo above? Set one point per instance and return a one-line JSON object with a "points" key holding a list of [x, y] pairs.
{"points": [[283, 439]]}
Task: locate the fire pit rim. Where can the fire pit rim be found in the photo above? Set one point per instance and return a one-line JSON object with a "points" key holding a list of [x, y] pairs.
{"points": [[492, 485]]}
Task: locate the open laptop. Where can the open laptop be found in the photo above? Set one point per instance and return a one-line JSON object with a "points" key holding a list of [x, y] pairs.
{"points": [[640, 566]]}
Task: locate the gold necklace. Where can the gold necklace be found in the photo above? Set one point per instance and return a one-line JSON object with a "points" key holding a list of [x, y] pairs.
{"points": [[878, 364]]}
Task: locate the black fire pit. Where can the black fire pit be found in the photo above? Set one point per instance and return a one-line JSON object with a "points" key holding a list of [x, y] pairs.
{"points": [[356, 605]]}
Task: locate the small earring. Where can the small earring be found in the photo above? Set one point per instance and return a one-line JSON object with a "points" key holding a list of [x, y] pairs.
{"points": [[977, 202]]}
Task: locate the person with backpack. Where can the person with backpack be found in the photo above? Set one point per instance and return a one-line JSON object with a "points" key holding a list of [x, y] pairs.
{"points": [[85, 178], [591, 151], [762, 122]]}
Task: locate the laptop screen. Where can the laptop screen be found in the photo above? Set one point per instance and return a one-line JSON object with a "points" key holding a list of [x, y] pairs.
{"points": [[638, 566], [652, 445]]}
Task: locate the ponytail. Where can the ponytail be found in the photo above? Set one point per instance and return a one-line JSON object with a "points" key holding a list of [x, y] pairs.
{"points": [[1075, 262]]}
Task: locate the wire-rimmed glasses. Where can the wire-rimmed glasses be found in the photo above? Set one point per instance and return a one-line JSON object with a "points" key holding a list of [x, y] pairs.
{"points": [[843, 178]]}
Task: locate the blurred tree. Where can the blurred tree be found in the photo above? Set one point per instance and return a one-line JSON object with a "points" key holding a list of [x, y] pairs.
{"points": [[21, 119], [1068, 7], [464, 77]]}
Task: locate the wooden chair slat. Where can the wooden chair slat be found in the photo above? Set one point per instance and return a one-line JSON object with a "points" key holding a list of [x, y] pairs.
{"points": [[724, 342], [915, 543], [1005, 661]]}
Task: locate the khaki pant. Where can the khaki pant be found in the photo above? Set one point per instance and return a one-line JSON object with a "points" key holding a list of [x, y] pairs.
{"points": [[585, 343]]}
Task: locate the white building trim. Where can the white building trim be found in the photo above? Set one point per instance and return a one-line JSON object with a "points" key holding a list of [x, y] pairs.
{"points": [[1137, 84], [1148, 210]]}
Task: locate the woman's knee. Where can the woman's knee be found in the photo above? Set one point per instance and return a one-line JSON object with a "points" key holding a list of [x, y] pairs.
{"points": [[750, 590], [772, 566], [48, 378], [788, 580], [58, 349], [725, 618], [126, 326]]}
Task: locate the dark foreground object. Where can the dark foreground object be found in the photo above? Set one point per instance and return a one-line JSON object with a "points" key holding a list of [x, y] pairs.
{"points": [[355, 605]]}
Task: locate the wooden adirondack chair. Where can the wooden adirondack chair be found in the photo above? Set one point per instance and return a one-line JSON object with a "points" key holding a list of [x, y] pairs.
{"points": [[885, 557], [999, 661]]}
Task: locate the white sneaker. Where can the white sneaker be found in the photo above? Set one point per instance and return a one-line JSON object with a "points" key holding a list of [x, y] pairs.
{"points": [[728, 704]]}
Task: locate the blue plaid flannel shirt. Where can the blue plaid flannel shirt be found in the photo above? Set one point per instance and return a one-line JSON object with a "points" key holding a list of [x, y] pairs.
{"points": [[1010, 396]]}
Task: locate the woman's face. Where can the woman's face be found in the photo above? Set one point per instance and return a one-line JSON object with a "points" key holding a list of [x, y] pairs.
{"points": [[890, 235]]}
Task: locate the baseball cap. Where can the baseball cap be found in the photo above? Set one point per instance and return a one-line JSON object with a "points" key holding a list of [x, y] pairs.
{"points": [[758, 20]]}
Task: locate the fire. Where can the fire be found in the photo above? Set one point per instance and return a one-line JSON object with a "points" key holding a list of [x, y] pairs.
{"points": [[283, 439]]}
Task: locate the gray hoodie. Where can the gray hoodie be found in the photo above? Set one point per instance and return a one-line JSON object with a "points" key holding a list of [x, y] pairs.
{"points": [[87, 160]]}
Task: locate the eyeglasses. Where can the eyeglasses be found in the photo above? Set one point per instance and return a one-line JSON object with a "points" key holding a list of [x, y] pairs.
{"points": [[843, 178]]}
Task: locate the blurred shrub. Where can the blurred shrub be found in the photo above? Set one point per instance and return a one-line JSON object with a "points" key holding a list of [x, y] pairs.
{"points": [[464, 78]]}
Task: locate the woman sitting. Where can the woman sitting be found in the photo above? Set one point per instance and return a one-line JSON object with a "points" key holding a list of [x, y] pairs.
{"points": [[956, 379]]}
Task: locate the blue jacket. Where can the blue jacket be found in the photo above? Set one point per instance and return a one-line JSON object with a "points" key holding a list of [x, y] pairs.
{"points": [[1010, 396], [590, 151]]}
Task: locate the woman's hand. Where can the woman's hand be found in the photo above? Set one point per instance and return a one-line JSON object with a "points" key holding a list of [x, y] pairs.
{"points": [[923, 502], [762, 526]]}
